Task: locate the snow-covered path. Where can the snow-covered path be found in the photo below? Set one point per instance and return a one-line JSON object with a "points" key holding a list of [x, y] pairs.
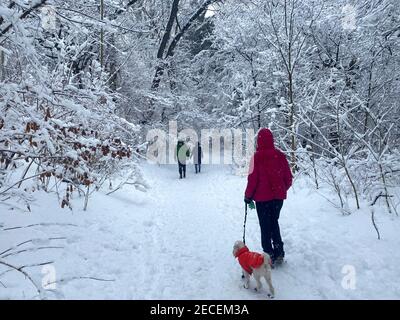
{"points": [[175, 242]]}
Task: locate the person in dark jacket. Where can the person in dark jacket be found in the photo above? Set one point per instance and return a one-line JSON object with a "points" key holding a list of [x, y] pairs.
{"points": [[182, 154], [197, 156], [268, 181]]}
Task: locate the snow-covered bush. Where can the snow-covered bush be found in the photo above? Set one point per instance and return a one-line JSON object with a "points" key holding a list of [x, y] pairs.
{"points": [[58, 115]]}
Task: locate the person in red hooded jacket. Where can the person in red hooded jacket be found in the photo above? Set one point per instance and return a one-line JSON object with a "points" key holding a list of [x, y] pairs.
{"points": [[268, 181]]}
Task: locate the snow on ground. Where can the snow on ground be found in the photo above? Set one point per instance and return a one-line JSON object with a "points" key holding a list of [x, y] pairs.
{"points": [[175, 242]]}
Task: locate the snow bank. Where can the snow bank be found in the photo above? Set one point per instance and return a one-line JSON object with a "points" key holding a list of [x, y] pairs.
{"points": [[175, 242]]}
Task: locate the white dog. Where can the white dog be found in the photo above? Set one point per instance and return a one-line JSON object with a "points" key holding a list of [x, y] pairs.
{"points": [[254, 263]]}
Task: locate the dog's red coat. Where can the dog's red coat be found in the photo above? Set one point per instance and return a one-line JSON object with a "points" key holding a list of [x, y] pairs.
{"points": [[249, 260], [269, 176]]}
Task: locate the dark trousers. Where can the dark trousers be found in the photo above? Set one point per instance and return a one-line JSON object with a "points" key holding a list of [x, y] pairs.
{"points": [[268, 215], [182, 169], [197, 167]]}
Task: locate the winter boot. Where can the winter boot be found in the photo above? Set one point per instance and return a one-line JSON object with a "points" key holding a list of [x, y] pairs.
{"points": [[278, 261], [278, 255]]}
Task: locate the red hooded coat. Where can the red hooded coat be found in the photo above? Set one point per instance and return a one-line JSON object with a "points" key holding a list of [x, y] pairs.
{"points": [[249, 260], [270, 176]]}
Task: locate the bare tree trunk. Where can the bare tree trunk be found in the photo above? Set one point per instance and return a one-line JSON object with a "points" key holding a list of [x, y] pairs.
{"points": [[2, 69], [102, 34], [162, 64], [385, 187], [163, 45], [87, 194], [342, 156], [254, 76], [351, 182], [314, 170], [170, 52], [258, 116], [291, 122], [112, 63], [369, 98]]}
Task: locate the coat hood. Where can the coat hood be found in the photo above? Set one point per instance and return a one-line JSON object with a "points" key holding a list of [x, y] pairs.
{"points": [[265, 139]]}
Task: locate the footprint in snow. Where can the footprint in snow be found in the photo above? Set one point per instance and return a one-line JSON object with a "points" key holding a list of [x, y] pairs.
{"points": [[148, 223]]}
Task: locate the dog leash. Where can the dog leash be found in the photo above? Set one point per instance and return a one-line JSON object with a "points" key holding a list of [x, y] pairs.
{"points": [[244, 224], [244, 230]]}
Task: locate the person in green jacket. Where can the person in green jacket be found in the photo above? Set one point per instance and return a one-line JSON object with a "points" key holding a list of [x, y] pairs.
{"points": [[182, 154]]}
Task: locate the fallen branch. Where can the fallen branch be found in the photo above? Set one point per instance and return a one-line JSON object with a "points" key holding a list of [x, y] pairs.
{"points": [[30, 250], [374, 224], [41, 224], [27, 241], [134, 174], [18, 269], [29, 266], [80, 278]]}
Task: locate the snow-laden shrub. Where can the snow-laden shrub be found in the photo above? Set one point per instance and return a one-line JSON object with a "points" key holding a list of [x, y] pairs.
{"points": [[54, 138], [58, 116], [375, 182], [378, 179]]}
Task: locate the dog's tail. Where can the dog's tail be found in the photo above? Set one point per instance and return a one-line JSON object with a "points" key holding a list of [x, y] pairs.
{"points": [[267, 260]]}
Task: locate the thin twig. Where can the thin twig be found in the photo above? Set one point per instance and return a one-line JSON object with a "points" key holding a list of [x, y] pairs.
{"points": [[31, 240], [29, 266], [334, 204], [380, 195], [20, 181], [24, 273], [79, 278], [41, 224], [30, 250]]}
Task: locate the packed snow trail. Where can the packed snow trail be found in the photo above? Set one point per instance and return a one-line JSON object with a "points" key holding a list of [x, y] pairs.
{"points": [[175, 242]]}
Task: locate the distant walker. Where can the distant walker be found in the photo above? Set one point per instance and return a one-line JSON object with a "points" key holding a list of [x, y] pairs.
{"points": [[197, 156]]}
